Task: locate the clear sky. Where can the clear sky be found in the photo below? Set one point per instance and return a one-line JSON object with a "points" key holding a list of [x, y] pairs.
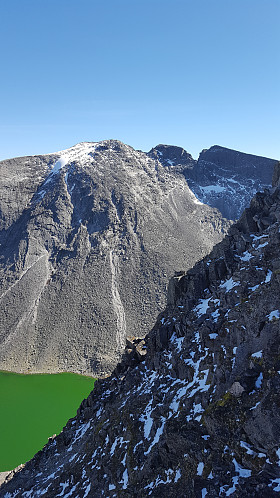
{"points": [[192, 73]]}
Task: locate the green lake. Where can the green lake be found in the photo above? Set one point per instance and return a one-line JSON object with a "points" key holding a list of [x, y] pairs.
{"points": [[33, 408]]}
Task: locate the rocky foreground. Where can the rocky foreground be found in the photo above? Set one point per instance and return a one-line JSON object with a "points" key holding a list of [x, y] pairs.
{"points": [[193, 410]]}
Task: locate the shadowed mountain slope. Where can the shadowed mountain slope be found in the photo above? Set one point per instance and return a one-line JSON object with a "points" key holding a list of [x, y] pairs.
{"points": [[221, 177], [199, 415], [89, 239]]}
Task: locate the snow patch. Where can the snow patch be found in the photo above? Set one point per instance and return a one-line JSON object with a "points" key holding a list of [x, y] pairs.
{"points": [[259, 381], [177, 341], [147, 419], [258, 354], [157, 435], [229, 284], [200, 468], [213, 335], [274, 315], [202, 307], [213, 188], [268, 276]]}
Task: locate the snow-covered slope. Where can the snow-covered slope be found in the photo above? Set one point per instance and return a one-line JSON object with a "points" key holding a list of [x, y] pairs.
{"points": [[199, 415], [89, 238], [221, 177]]}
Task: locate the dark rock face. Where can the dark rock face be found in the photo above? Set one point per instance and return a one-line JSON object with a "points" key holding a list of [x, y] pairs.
{"points": [[175, 158], [222, 178], [198, 414], [89, 239]]}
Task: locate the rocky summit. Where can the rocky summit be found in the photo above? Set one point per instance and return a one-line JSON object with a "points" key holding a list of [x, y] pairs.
{"points": [[221, 177], [89, 239], [195, 414]]}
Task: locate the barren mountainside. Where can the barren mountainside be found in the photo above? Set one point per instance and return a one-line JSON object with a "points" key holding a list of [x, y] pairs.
{"points": [[221, 177], [199, 415], [89, 239]]}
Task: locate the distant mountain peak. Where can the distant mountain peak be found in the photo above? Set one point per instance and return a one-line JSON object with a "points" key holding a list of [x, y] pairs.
{"points": [[223, 178], [171, 155]]}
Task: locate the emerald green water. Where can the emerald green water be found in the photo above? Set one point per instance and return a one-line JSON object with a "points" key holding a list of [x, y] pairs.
{"points": [[33, 408]]}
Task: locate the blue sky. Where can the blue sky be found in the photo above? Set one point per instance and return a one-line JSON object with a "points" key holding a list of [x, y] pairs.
{"points": [[192, 73]]}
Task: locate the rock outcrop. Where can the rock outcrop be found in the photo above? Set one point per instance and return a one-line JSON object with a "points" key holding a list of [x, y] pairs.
{"points": [[89, 239], [221, 177], [198, 414]]}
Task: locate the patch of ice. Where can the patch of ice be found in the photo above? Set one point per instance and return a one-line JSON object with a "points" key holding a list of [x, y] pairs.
{"points": [[246, 256], [254, 288], [72, 457], [258, 354], [213, 335], [87, 490], [157, 435], [147, 419], [260, 246], [138, 444], [241, 471], [177, 475], [233, 488], [196, 338], [215, 315], [119, 440], [80, 432], [268, 276], [229, 284], [177, 341], [274, 315], [247, 447], [204, 492], [258, 237], [213, 188], [125, 479], [275, 481], [98, 413], [70, 492], [254, 407], [200, 468], [169, 474], [62, 161], [259, 381], [202, 307]]}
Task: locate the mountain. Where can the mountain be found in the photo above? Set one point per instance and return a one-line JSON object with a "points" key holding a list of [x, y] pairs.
{"points": [[89, 239], [221, 177], [197, 413]]}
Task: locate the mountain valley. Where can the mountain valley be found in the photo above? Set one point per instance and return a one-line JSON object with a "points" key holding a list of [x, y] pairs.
{"points": [[192, 409]]}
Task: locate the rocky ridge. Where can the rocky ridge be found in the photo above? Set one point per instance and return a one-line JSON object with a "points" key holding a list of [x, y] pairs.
{"points": [[89, 239], [192, 411], [221, 177]]}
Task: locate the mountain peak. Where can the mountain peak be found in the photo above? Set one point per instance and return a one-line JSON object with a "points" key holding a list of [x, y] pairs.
{"points": [[194, 406], [171, 156], [83, 232]]}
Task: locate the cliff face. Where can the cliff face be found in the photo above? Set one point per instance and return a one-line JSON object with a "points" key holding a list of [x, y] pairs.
{"points": [[221, 177], [89, 239], [193, 410]]}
